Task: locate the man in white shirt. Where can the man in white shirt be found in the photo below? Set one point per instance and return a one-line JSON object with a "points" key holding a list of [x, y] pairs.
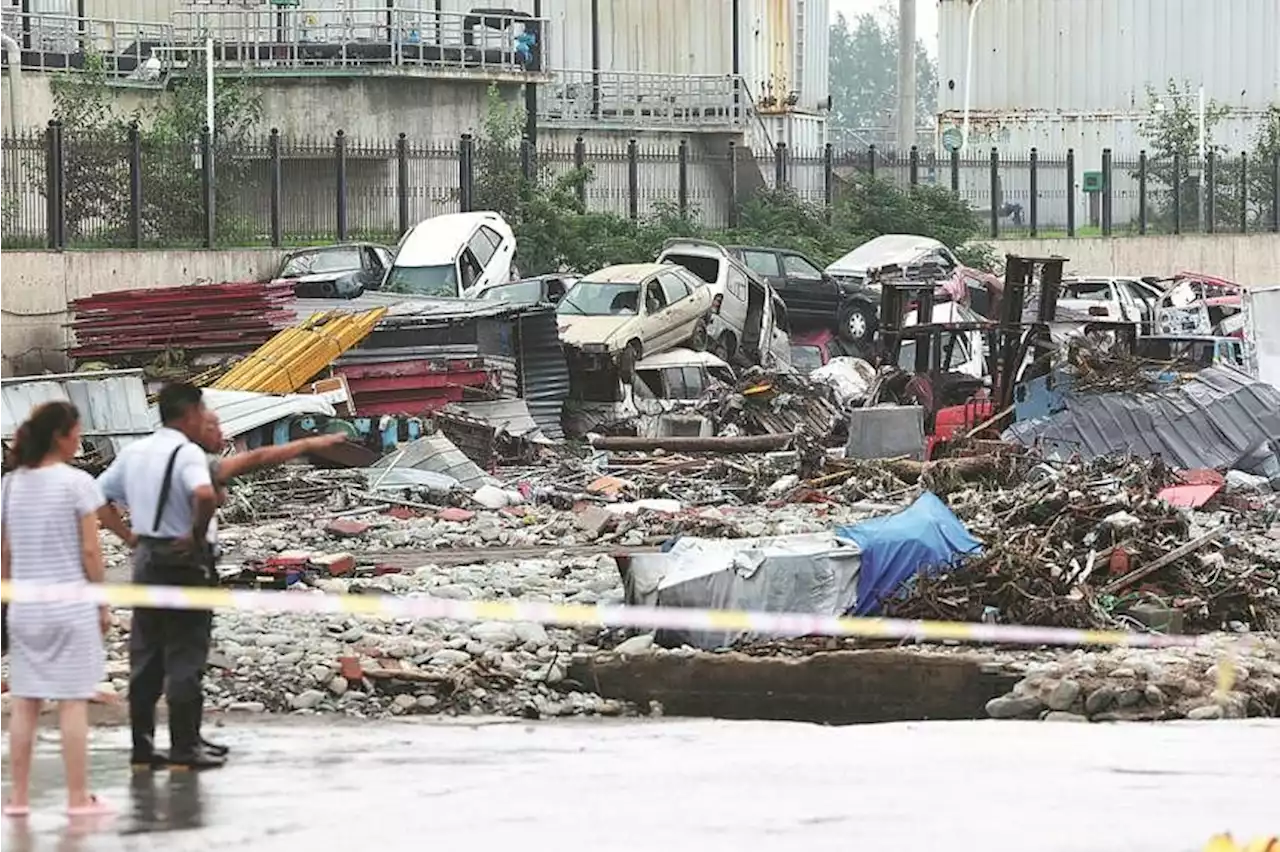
{"points": [[163, 480]]}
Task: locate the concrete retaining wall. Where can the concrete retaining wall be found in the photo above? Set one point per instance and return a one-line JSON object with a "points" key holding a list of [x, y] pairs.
{"points": [[1246, 258], [38, 286]]}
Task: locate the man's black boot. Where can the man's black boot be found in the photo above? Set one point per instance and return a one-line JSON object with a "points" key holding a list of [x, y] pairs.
{"points": [[144, 755], [184, 732], [215, 749]]}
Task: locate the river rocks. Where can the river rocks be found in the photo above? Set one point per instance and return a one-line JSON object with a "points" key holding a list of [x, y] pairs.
{"points": [[307, 700], [1206, 711], [1099, 700], [641, 644], [1063, 695], [1014, 707], [1059, 716]]}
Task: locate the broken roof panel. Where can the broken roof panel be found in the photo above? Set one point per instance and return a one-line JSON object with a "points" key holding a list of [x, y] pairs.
{"points": [[436, 453], [244, 411], [1216, 419], [112, 404]]}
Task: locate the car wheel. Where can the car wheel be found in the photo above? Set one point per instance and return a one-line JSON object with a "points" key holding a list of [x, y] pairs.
{"points": [[328, 289], [627, 361], [699, 341], [857, 323]]}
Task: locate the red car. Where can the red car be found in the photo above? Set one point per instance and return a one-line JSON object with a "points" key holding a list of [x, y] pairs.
{"points": [[813, 349]]}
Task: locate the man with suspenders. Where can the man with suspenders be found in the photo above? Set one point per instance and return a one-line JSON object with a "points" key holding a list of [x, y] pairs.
{"points": [[164, 482], [209, 439]]}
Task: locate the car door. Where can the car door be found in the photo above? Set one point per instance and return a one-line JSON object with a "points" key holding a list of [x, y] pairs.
{"points": [[500, 266], [680, 316], [656, 332], [483, 247], [1130, 308], [371, 267]]}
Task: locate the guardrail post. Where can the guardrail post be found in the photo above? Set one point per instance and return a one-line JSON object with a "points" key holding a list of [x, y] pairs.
{"points": [[913, 166], [465, 174], [955, 170], [1071, 192], [780, 165], [340, 171], [1142, 192], [828, 178], [995, 193], [580, 163], [732, 218], [1275, 193], [209, 187], [402, 183], [1244, 192], [526, 159], [135, 185], [682, 178], [871, 161], [633, 179], [1106, 192], [1033, 203], [53, 177], [1177, 192], [277, 188], [1209, 183]]}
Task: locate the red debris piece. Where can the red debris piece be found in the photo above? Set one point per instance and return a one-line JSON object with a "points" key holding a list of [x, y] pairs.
{"points": [[1198, 487], [382, 568], [456, 515], [228, 317], [346, 528], [337, 564], [402, 513], [350, 669]]}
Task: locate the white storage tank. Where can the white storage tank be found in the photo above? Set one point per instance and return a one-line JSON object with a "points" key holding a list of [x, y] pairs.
{"points": [[1101, 55]]}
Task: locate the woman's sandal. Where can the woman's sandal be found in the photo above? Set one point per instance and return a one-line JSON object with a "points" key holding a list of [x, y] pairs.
{"points": [[96, 807], [17, 811]]}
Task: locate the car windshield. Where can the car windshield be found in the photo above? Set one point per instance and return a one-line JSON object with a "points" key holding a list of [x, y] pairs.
{"points": [[437, 281], [519, 293], [806, 359], [320, 262], [600, 299]]}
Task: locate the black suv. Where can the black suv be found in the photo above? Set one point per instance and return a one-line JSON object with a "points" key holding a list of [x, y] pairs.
{"points": [[812, 297]]}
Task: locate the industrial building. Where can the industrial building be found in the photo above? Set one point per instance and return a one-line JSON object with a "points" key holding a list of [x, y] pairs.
{"points": [[1079, 75]]}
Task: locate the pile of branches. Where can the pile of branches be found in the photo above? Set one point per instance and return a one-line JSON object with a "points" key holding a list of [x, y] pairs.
{"points": [[763, 403], [1099, 371], [1062, 546]]}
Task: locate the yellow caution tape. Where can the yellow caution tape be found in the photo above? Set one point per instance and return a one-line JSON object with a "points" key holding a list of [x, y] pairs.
{"points": [[1225, 843], [309, 600]]}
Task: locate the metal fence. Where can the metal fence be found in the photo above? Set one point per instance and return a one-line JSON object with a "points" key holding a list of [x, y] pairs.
{"points": [[69, 190], [284, 39]]}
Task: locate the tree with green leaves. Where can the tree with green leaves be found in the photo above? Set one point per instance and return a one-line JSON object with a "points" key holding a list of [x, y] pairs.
{"points": [[1172, 133], [554, 231], [1264, 165], [863, 76], [96, 154]]}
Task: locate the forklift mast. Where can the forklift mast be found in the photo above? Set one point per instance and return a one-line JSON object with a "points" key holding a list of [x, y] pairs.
{"points": [[1013, 338]]}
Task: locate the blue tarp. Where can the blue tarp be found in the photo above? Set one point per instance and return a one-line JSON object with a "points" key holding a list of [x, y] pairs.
{"points": [[895, 548]]}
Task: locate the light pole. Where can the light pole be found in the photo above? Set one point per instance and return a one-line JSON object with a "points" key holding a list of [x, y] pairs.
{"points": [[208, 75], [968, 73]]}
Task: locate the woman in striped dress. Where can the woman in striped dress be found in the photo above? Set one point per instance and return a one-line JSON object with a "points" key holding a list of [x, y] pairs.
{"points": [[50, 535]]}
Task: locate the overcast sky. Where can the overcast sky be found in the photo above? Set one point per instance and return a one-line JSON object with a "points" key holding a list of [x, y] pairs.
{"points": [[926, 16]]}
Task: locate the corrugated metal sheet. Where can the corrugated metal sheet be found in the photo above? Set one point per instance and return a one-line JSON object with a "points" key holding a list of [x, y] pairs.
{"points": [[113, 404], [506, 415], [244, 411], [663, 36], [1215, 420], [437, 454], [544, 373], [1097, 55], [128, 10]]}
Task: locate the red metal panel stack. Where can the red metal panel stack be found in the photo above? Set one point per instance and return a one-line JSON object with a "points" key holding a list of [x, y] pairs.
{"points": [[139, 324]]}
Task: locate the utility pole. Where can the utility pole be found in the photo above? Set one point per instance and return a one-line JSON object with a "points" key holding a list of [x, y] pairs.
{"points": [[906, 75]]}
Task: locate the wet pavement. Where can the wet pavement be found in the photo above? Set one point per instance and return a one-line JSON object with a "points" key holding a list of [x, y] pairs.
{"points": [[679, 785]]}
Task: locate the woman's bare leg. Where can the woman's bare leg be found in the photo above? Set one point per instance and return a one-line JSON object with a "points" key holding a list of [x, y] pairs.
{"points": [[22, 742], [73, 716]]}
